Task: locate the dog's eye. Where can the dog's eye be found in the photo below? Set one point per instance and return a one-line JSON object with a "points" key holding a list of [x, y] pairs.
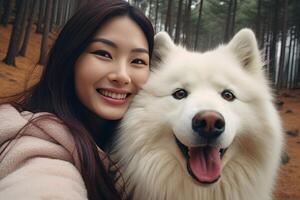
{"points": [[228, 95], [180, 94]]}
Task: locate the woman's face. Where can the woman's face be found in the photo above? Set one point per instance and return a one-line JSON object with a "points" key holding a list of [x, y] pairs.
{"points": [[113, 68]]}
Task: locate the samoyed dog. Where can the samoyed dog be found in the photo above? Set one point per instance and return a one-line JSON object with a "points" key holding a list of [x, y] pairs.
{"points": [[204, 126]]}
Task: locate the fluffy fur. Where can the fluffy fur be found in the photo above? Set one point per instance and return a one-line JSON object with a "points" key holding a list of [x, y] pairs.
{"points": [[152, 163]]}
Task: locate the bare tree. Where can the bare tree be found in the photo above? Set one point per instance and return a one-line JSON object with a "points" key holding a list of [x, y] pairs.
{"points": [[60, 11], [32, 12], [150, 9], [41, 17], [169, 18], [233, 14], [178, 21], [54, 14], [13, 42], [44, 45], [8, 6], [156, 14], [67, 10], [187, 22], [283, 45], [258, 22], [274, 32], [293, 66], [198, 24], [228, 21], [23, 24]]}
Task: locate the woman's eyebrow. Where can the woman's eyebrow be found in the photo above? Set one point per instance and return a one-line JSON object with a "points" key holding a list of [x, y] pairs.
{"points": [[140, 50], [114, 45], [105, 41]]}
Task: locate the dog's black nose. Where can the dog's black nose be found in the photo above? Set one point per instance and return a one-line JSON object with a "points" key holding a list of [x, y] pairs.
{"points": [[208, 124]]}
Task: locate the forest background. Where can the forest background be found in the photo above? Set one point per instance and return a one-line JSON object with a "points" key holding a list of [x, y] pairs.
{"points": [[29, 27]]}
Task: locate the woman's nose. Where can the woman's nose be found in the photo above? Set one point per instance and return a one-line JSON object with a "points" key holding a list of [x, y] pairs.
{"points": [[120, 75]]}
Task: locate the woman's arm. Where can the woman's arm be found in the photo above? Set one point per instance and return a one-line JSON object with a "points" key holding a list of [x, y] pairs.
{"points": [[43, 178]]}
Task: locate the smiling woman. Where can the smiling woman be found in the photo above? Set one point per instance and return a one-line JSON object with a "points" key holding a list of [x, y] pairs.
{"points": [[112, 69], [65, 123]]}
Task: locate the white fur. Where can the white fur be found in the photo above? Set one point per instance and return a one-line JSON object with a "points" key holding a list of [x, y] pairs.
{"points": [[152, 164]]}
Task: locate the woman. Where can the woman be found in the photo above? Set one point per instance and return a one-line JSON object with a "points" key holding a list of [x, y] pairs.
{"points": [[98, 63]]}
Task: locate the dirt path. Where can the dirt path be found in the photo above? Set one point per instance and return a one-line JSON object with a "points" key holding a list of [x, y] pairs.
{"points": [[288, 185]]}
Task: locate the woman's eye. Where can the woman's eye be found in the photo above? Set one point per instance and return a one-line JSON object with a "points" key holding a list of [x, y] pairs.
{"points": [[180, 94], [228, 95], [102, 53], [139, 62]]}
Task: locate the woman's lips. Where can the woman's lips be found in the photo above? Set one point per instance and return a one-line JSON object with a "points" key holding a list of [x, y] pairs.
{"points": [[114, 96]]}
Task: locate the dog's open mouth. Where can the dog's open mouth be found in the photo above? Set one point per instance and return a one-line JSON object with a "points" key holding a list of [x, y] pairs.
{"points": [[203, 163]]}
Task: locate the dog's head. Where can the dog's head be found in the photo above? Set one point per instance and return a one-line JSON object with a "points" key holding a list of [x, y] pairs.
{"points": [[196, 105]]}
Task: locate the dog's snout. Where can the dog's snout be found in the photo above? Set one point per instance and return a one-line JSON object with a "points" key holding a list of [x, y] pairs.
{"points": [[208, 124]]}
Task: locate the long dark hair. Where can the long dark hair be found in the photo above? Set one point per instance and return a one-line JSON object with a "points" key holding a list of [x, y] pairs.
{"points": [[55, 93]]}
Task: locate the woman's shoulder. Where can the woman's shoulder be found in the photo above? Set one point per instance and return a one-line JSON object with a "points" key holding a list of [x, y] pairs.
{"points": [[42, 125], [38, 157], [26, 135]]}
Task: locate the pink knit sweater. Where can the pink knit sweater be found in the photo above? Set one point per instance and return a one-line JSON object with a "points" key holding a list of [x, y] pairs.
{"points": [[41, 163]]}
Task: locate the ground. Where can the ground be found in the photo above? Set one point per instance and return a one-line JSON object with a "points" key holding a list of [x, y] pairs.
{"points": [[288, 184], [14, 79]]}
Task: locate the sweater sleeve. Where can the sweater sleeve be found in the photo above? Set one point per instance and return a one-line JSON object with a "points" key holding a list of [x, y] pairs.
{"points": [[38, 162], [43, 178]]}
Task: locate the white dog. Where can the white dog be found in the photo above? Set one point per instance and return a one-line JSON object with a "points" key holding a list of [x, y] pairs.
{"points": [[204, 126]]}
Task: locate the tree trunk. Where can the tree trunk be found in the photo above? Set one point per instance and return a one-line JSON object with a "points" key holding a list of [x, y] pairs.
{"points": [[28, 28], [228, 21], [187, 23], [232, 23], [156, 14], [293, 67], [67, 10], [283, 44], [267, 42], [273, 48], [258, 22], [13, 42], [8, 6], [168, 18], [60, 13], [24, 23], [54, 14], [41, 17], [263, 33], [72, 9], [150, 9], [44, 45], [297, 64], [178, 22], [285, 74], [198, 25]]}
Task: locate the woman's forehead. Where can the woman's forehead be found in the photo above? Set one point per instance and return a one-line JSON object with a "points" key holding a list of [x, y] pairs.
{"points": [[122, 29]]}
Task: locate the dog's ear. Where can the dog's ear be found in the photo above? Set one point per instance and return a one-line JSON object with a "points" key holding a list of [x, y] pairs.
{"points": [[163, 44], [244, 46]]}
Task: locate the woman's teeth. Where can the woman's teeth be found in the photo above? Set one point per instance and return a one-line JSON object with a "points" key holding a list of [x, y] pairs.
{"points": [[112, 94]]}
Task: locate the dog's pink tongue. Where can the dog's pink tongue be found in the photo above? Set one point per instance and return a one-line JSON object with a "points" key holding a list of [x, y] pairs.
{"points": [[205, 163]]}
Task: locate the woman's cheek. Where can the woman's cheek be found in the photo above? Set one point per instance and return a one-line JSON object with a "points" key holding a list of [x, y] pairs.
{"points": [[143, 78]]}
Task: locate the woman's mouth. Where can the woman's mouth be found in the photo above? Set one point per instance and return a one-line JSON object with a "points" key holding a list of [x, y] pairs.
{"points": [[114, 96]]}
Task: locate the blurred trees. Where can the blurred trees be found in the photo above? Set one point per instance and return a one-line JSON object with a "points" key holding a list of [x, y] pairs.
{"points": [[196, 24], [44, 15], [203, 24]]}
